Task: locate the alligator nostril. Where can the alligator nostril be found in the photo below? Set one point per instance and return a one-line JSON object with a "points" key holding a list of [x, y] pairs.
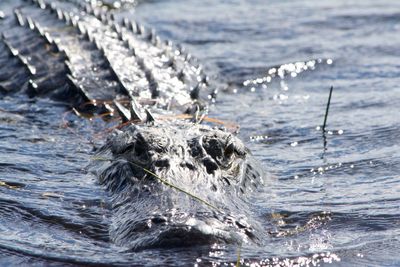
{"points": [[140, 149], [210, 165], [188, 165]]}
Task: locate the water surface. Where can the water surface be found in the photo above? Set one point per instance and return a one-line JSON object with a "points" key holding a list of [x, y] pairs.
{"points": [[332, 197]]}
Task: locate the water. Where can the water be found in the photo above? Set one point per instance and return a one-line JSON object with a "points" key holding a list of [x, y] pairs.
{"points": [[334, 197]]}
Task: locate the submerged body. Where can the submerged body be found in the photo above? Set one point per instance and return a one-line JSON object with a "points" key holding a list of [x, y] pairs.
{"points": [[172, 183]]}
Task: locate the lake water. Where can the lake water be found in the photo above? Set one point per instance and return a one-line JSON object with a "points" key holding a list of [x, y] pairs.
{"points": [[332, 199]]}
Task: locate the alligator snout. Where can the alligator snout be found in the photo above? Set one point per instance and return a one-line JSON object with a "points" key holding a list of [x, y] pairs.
{"points": [[178, 184]]}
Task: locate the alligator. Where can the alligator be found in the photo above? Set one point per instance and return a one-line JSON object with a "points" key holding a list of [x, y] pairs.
{"points": [[172, 182]]}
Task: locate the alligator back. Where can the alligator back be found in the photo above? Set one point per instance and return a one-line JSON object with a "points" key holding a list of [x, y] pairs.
{"points": [[169, 182], [83, 56]]}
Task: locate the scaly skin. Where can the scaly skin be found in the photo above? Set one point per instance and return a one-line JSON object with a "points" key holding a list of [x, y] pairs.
{"points": [[84, 56], [210, 164]]}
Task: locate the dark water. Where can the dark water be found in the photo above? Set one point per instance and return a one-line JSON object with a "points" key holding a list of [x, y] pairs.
{"points": [[332, 198]]}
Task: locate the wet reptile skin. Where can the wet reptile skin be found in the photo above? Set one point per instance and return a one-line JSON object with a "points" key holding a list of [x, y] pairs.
{"points": [[82, 55]]}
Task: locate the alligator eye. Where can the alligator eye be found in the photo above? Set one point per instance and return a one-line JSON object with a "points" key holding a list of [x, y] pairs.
{"points": [[126, 149], [140, 148]]}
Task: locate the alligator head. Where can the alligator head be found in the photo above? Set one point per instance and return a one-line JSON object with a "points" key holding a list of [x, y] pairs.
{"points": [[177, 184]]}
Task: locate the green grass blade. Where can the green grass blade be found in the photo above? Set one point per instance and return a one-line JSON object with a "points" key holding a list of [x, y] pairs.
{"points": [[164, 181], [327, 109]]}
